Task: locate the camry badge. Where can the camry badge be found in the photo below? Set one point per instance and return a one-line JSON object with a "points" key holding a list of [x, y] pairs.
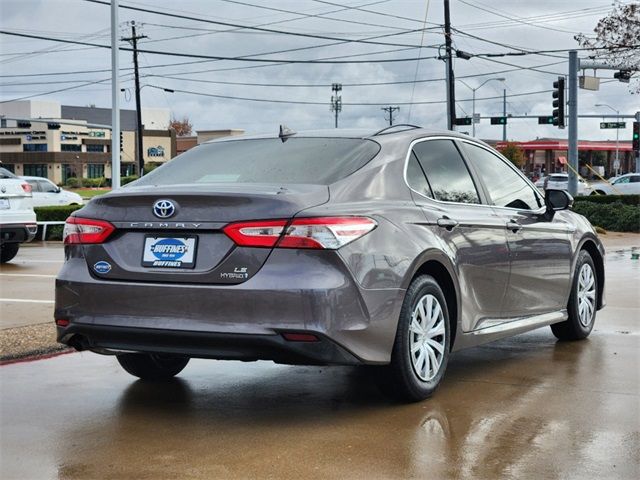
{"points": [[164, 209]]}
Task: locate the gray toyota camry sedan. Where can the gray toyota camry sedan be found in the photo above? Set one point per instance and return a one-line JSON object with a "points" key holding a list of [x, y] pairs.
{"points": [[391, 248]]}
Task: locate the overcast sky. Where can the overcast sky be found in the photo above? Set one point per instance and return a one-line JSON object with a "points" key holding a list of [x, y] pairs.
{"points": [[541, 25]]}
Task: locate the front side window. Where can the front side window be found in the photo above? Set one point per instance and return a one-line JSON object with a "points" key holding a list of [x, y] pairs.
{"points": [[446, 172], [47, 187], [505, 186], [622, 180]]}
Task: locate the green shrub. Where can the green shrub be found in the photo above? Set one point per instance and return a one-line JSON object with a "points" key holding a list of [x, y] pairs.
{"points": [[94, 182], [615, 216], [54, 214], [128, 179], [73, 182], [626, 199]]}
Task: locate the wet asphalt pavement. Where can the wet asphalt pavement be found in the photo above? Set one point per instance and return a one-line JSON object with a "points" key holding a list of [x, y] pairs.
{"points": [[525, 407]]}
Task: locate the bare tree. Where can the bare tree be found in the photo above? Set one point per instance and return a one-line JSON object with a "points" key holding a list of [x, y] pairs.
{"points": [[618, 36], [182, 127]]}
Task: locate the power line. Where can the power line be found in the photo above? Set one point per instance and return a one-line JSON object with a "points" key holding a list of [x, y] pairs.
{"points": [[249, 27], [373, 12], [216, 57]]}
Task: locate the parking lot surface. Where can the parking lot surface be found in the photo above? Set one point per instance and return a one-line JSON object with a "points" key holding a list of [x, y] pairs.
{"points": [[525, 407]]}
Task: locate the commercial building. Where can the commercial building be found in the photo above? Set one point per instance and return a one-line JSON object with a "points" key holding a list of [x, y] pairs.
{"points": [[56, 141]]}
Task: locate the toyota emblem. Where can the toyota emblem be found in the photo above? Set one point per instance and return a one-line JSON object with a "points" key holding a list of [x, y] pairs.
{"points": [[164, 209]]}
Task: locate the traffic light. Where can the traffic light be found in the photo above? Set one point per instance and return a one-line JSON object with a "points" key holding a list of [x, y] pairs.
{"points": [[498, 120], [121, 142], [636, 138], [558, 103], [545, 120], [463, 121], [623, 76]]}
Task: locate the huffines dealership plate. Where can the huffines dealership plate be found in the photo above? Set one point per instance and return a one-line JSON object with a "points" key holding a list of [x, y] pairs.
{"points": [[169, 252]]}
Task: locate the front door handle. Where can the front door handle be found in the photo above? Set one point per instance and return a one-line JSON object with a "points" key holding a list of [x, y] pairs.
{"points": [[513, 226], [447, 223]]}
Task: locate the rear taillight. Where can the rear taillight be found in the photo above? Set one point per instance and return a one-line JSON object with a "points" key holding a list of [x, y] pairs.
{"points": [[26, 187], [318, 233], [85, 230]]}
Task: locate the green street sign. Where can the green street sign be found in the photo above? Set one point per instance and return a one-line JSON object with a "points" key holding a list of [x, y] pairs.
{"points": [[613, 125]]}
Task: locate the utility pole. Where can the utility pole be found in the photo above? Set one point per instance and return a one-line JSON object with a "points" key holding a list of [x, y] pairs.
{"points": [[134, 43], [451, 91], [390, 111], [637, 152], [336, 100], [574, 66], [504, 114], [115, 98]]}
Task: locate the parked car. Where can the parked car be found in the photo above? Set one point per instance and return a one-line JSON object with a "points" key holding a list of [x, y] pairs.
{"points": [[560, 181], [17, 219], [391, 248], [628, 184], [46, 193]]}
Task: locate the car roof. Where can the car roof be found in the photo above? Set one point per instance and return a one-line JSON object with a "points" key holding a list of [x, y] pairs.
{"points": [[28, 177], [410, 132]]}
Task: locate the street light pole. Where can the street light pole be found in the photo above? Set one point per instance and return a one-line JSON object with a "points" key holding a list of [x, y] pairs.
{"points": [[617, 162], [473, 105]]}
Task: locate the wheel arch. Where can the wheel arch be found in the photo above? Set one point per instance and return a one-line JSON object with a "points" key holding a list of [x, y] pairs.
{"points": [[589, 245], [437, 265]]}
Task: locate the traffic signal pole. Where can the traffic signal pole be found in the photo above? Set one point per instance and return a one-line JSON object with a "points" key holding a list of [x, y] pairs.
{"points": [[115, 98], [574, 66], [638, 150]]}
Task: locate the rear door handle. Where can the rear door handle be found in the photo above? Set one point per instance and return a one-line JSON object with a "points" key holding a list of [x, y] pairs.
{"points": [[513, 226], [447, 223]]}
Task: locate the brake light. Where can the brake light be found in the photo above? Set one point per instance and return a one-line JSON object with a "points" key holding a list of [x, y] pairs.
{"points": [[85, 230], [317, 233], [26, 187]]}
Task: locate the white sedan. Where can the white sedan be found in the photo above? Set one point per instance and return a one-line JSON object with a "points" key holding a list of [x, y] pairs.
{"points": [[560, 181], [46, 193], [628, 184]]}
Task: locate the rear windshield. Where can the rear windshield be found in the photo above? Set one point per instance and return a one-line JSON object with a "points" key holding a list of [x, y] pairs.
{"points": [[4, 173], [297, 160], [558, 178]]}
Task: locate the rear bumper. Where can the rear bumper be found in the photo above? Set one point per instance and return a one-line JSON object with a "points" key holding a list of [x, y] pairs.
{"points": [[294, 291], [108, 339], [17, 232]]}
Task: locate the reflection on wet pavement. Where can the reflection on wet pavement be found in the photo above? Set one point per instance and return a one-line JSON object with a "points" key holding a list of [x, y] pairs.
{"points": [[526, 407]]}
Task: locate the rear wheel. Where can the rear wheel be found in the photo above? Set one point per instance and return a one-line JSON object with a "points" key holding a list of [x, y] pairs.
{"points": [[152, 366], [421, 349], [582, 302], [8, 251]]}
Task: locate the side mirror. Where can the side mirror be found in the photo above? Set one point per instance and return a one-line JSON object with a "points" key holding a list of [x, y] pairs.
{"points": [[58, 190], [557, 200]]}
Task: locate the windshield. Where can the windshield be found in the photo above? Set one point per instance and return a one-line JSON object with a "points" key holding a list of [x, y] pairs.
{"points": [[319, 161], [4, 173]]}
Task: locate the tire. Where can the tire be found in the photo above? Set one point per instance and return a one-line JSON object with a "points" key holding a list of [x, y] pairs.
{"points": [[8, 251], [152, 367], [583, 301], [413, 376]]}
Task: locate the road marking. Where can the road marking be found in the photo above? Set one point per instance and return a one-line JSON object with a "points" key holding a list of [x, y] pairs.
{"points": [[24, 300], [27, 275]]}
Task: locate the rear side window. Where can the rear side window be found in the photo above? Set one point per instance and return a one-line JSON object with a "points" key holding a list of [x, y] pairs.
{"points": [[297, 160], [504, 185], [446, 172]]}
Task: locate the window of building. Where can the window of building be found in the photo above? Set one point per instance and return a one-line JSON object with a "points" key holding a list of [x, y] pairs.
{"points": [[505, 186], [67, 172], [95, 148], [95, 170], [70, 147], [34, 170], [34, 147], [447, 174]]}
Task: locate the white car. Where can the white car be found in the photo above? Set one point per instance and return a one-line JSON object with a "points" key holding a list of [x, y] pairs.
{"points": [[17, 219], [628, 184], [46, 193], [560, 181]]}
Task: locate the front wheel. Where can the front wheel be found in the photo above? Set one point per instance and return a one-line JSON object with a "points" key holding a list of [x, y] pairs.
{"points": [[8, 251], [421, 349], [152, 366], [583, 302]]}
